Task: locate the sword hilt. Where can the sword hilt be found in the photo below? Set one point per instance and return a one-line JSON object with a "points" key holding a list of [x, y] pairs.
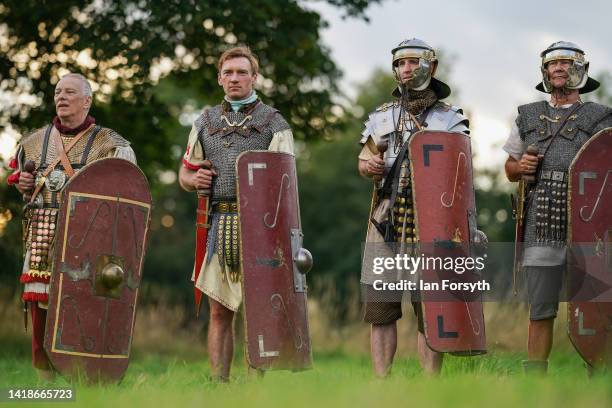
{"points": [[205, 192], [532, 150], [29, 167], [382, 148]]}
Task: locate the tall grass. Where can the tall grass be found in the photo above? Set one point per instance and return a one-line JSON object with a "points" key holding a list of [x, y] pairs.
{"points": [[169, 329], [169, 368]]}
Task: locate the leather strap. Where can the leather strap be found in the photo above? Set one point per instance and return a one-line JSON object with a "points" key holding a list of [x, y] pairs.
{"points": [[57, 160], [59, 148]]}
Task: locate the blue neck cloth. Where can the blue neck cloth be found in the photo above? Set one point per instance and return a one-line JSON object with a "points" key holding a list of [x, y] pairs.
{"points": [[236, 105]]}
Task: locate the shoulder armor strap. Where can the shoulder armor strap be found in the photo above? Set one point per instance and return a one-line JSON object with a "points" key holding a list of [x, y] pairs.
{"points": [[385, 106], [459, 122], [366, 132], [265, 107], [445, 106], [90, 141], [203, 121]]}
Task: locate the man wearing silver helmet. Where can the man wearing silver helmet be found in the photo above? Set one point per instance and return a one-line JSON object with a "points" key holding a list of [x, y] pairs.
{"points": [[417, 105], [544, 140]]}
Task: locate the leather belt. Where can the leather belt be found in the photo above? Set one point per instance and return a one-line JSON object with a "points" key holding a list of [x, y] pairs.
{"points": [[554, 175], [225, 207]]}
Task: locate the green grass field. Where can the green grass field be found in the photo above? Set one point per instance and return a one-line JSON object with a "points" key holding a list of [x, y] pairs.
{"points": [[337, 380], [169, 368]]}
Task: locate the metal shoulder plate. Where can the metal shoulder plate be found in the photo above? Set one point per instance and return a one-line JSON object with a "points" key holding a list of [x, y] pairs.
{"points": [[380, 122], [447, 117]]}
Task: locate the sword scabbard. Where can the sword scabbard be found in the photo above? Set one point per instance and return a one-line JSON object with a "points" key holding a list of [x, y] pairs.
{"points": [[519, 208], [202, 227], [25, 316]]}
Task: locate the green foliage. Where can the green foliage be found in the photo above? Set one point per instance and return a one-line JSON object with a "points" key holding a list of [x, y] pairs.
{"points": [[150, 62], [121, 46], [375, 91], [10, 237], [169, 259], [494, 207], [335, 203]]}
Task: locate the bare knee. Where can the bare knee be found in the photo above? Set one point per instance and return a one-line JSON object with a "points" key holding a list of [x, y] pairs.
{"points": [[542, 324], [219, 314], [384, 327]]}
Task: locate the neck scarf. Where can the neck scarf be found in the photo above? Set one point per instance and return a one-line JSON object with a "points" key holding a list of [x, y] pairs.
{"points": [[236, 105], [416, 102], [65, 130]]}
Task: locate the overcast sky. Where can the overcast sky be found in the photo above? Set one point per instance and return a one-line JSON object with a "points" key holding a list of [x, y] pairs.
{"points": [[497, 45]]}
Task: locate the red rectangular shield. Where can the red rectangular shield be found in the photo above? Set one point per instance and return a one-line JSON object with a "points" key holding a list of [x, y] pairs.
{"points": [[274, 289], [445, 221], [590, 250], [99, 249]]}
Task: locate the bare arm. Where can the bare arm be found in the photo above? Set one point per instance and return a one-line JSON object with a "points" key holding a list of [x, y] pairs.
{"points": [[363, 168], [515, 169], [370, 163], [185, 178], [191, 180]]}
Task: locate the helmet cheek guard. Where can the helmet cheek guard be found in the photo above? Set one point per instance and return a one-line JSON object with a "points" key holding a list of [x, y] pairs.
{"points": [[578, 75], [421, 76]]}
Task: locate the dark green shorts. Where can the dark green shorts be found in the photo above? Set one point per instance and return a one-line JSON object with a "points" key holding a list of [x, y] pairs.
{"points": [[543, 290], [385, 307]]}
